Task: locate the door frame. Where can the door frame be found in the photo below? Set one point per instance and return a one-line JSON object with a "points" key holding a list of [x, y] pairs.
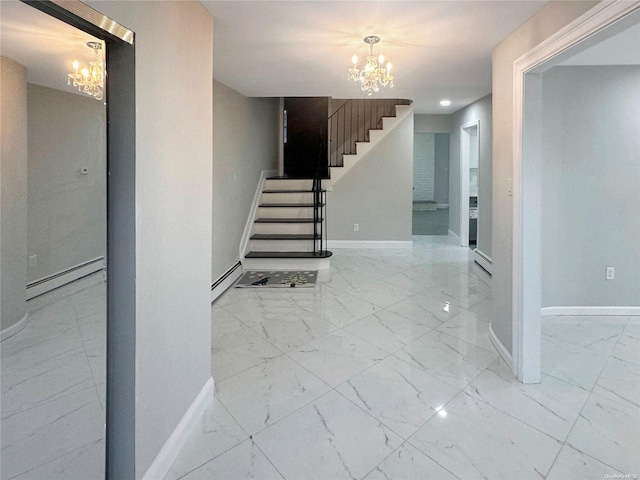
{"points": [[465, 149], [586, 30], [121, 223]]}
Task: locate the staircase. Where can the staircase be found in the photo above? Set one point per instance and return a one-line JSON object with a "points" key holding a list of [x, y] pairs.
{"points": [[289, 231]]}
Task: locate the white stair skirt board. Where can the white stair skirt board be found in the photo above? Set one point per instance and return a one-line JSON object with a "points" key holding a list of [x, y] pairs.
{"points": [[502, 350], [59, 279], [590, 311], [225, 280], [363, 148], [15, 328], [369, 244], [453, 238], [483, 260], [176, 441], [286, 263], [253, 213]]}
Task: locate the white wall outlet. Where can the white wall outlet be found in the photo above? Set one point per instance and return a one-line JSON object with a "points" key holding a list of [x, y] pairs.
{"points": [[356, 227], [611, 273], [33, 260]]}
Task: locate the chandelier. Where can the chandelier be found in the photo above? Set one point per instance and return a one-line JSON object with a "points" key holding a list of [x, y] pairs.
{"points": [[374, 72], [89, 80]]}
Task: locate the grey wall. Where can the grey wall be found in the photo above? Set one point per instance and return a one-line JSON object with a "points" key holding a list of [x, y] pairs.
{"points": [[13, 192], [67, 210], [174, 151], [424, 153], [548, 20], [376, 192], [245, 142], [432, 123], [441, 184], [477, 111], [590, 186]]}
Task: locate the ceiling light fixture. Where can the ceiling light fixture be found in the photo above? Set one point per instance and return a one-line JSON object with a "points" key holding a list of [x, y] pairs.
{"points": [[89, 80], [445, 103], [374, 72]]}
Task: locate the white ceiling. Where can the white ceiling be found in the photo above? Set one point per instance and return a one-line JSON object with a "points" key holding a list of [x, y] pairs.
{"points": [[44, 45], [439, 49]]}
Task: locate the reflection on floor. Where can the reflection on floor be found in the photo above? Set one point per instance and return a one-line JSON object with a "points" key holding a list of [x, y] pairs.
{"points": [[386, 371], [431, 222], [53, 388]]}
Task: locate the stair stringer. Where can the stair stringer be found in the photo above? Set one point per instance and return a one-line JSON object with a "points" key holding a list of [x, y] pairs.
{"points": [[375, 136], [253, 214]]}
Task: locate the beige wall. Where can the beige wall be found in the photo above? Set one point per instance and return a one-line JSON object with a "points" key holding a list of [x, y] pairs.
{"points": [[67, 210], [549, 19], [13, 192]]}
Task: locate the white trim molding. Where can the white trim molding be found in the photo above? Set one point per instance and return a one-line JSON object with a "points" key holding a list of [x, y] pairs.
{"points": [[248, 227], [483, 260], [225, 280], [383, 244], [502, 350], [465, 148], [17, 327], [526, 254], [176, 441], [57, 280], [453, 237], [584, 311]]}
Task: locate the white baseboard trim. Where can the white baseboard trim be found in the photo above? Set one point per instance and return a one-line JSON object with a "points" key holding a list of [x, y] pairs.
{"points": [[483, 260], [248, 227], [454, 238], [442, 206], [225, 280], [176, 441], [502, 350], [369, 244], [17, 327], [589, 311], [59, 279]]}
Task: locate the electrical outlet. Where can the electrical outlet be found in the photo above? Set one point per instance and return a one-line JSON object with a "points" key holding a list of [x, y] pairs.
{"points": [[611, 273], [33, 260], [356, 227]]}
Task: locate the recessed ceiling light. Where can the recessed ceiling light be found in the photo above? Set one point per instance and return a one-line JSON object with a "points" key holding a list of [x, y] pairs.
{"points": [[445, 103]]}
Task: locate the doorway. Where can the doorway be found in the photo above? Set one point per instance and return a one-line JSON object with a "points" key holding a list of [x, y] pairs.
{"points": [[469, 181]]}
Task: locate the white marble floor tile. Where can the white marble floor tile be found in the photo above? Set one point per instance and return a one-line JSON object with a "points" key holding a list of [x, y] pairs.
{"points": [[215, 433], [84, 463], [93, 330], [262, 395], [52, 318], [608, 431], [254, 310], [411, 309], [241, 462], [341, 310], [239, 295], [50, 430], [441, 307], [470, 327], [574, 464], [400, 396], [573, 364], [458, 290], [329, 439], [452, 360], [408, 463], [238, 351], [475, 441], [484, 309], [551, 406], [223, 323], [412, 285], [596, 334], [620, 381], [292, 330], [90, 301], [391, 331], [381, 294], [337, 357], [628, 347]]}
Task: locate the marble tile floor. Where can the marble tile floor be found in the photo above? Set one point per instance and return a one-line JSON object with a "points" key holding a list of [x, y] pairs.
{"points": [[53, 387], [385, 371]]}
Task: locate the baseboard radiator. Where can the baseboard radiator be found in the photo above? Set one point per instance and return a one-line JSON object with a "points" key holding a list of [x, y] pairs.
{"points": [[59, 279]]}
